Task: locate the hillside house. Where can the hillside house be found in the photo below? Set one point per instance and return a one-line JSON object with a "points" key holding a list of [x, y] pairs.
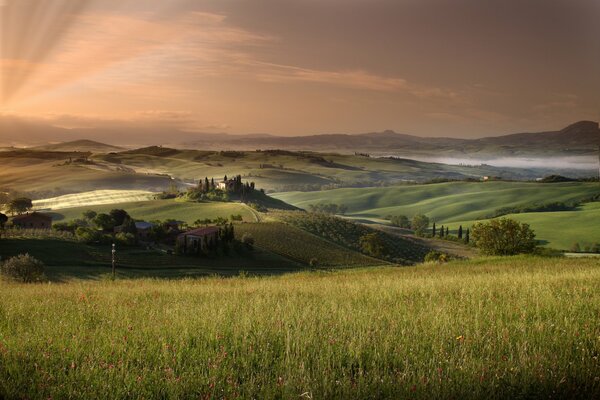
{"points": [[33, 220], [198, 241], [226, 185]]}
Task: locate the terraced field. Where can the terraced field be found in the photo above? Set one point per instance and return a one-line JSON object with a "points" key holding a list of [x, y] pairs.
{"points": [[302, 246], [165, 209]]}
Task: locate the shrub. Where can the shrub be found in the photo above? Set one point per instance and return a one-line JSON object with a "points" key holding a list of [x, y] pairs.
{"points": [[373, 245], [419, 224], [248, 241], [400, 221], [126, 239], [23, 268], [437, 257], [504, 237], [87, 235], [313, 262]]}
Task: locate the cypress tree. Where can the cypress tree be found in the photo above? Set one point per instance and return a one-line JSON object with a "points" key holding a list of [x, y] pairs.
{"points": [[442, 232], [460, 232], [206, 184], [447, 231], [434, 229], [468, 236]]}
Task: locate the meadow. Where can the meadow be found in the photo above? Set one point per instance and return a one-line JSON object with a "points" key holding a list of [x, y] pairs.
{"points": [[492, 328], [188, 212], [464, 203], [444, 202], [93, 198]]}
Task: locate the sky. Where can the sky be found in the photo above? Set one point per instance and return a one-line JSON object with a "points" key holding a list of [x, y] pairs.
{"points": [[459, 68]]}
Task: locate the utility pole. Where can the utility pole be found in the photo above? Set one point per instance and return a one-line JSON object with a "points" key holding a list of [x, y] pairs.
{"points": [[114, 260]]}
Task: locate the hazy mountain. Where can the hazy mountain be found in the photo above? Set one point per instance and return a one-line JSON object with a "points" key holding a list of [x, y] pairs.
{"points": [[581, 138], [81, 145]]}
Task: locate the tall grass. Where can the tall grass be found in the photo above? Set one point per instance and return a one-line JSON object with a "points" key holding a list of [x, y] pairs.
{"points": [[517, 327]]}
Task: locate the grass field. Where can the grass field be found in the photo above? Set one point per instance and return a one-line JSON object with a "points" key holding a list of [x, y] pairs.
{"points": [[165, 209], [561, 229], [444, 202], [93, 198], [497, 328], [69, 259]]}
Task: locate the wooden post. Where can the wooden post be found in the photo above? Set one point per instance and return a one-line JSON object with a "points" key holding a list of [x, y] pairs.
{"points": [[114, 261]]}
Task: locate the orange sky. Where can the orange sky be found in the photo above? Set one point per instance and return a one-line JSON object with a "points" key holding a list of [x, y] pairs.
{"points": [[429, 67]]}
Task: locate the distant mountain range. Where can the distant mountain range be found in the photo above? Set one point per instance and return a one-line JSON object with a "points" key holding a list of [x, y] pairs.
{"points": [[580, 138]]}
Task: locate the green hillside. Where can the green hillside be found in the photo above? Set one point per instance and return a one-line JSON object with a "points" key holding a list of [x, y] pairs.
{"points": [[302, 246], [444, 202], [164, 209], [562, 229], [513, 328]]}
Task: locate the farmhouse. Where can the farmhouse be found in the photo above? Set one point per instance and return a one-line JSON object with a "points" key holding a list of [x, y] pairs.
{"points": [[34, 220], [198, 240], [226, 185]]}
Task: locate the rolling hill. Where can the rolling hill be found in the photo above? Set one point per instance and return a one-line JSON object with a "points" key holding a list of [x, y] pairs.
{"points": [[80, 145]]}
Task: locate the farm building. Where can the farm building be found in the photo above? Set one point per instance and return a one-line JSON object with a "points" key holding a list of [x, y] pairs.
{"points": [[198, 241], [34, 220]]}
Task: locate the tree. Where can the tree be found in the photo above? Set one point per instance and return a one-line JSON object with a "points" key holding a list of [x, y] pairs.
{"points": [[468, 236], [442, 232], [419, 224], [89, 215], [3, 220], [434, 229], [20, 205], [23, 268], [447, 232], [400, 221], [119, 216], [104, 222], [460, 232], [372, 244], [504, 237]]}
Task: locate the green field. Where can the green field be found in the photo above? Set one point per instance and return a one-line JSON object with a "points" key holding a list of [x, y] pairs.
{"points": [[188, 212], [444, 202], [561, 229], [65, 259], [498, 328]]}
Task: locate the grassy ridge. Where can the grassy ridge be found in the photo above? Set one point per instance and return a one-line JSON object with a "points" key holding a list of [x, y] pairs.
{"points": [[447, 202], [165, 209], [513, 328]]}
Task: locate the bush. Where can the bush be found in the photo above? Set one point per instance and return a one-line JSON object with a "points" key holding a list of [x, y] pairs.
{"points": [[313, 262], [504, 237], [437, 257], [248, 241], [88, 235], [419, 224], [126, 239], [23, 268]]}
